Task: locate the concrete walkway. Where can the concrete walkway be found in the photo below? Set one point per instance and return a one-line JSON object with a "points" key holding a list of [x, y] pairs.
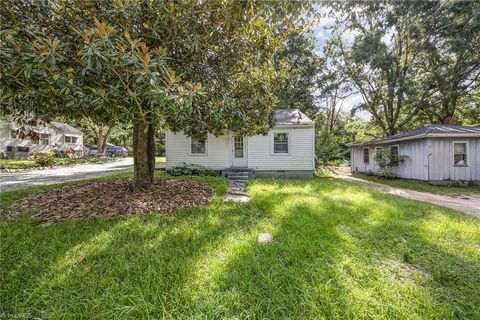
{"points": [[17, 180], [468, 203]]}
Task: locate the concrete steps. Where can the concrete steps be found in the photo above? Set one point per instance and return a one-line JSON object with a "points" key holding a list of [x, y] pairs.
{"points": [[238, 178]]}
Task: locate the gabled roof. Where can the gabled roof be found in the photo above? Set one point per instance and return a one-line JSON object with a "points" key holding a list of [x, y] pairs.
{"points": [[64, 127], [292, 116], [433, 130]]}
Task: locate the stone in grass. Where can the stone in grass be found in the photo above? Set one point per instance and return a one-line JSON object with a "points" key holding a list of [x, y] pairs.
{"points": [[265, 238]]}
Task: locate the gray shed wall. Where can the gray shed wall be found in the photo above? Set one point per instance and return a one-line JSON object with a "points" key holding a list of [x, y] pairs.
{"points": [[441, 160], [426, 159]]}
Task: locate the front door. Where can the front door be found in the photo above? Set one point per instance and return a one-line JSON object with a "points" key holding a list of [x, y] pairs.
{"points": [[239, 152]]}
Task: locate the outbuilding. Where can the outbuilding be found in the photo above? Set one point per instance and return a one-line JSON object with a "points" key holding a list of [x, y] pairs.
{"points": [[437, 153]]}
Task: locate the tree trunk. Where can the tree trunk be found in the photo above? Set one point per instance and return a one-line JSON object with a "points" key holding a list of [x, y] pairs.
{"points": [[151, 150], [105, 139], [100, 140], [142, 173]]}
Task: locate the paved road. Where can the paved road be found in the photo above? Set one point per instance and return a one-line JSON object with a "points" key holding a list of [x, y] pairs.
{"points": [[468, 203], [16, 180]]}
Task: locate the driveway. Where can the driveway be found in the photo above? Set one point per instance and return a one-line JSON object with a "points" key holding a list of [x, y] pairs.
{"points": [[469, 204], [16, 180]]}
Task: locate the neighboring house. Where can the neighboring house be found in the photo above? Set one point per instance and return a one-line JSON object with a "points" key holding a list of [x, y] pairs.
{"points": [[288, 150], [435, 153], [52, 136]]}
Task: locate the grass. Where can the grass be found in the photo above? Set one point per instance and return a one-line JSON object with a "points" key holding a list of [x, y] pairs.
{"points": [[419, 186], [30, 163], [340, 251]]}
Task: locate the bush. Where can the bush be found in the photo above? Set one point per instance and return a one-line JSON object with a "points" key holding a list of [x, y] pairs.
{"points": [[192, 170], [44, 159], [388, 162]]}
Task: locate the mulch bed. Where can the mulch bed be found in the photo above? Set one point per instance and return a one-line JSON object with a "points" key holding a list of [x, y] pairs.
{"points": [[112, 198]]}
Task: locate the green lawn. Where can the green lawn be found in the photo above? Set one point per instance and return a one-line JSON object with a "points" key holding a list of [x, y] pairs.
{"points": [[30, 163], [419, 186], [340, 251]]}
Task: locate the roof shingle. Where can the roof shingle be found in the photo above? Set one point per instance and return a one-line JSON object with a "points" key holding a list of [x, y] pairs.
{"points": [[292, 116]]}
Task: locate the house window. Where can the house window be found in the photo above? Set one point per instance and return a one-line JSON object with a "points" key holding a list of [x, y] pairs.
{"points": [[13, 134], [23, 149], [366, 155], [44, 139], [70, 139], [394, 151], [9, 148], [198, 145], [280, 142], [460, 153]]}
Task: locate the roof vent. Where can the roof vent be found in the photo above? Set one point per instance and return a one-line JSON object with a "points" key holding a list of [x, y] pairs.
{"points": [[448, 121]]}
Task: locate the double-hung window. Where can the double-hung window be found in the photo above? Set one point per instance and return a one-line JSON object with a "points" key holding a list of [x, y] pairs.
{"points": [[198, 145], [44, 139], [459, 153], [280, 143]]}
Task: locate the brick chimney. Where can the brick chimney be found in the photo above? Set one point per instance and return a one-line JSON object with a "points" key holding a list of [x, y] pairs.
{"points": [[448, 121]]}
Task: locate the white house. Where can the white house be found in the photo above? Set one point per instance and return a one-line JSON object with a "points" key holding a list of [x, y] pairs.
{"points": [[288, 150], [52, 136], [436, 153]]}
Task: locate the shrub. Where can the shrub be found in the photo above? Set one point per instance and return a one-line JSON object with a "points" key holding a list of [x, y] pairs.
{"points": [[44, 159], [192, 170], [388, 162]]}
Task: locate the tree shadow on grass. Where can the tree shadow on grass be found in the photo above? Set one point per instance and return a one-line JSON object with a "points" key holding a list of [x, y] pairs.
{"points": [[103, 268], [330, 240], [341, 258]]}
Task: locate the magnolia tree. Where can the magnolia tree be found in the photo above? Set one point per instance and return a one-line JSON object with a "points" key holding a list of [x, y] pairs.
{"points": [[193, 66]]}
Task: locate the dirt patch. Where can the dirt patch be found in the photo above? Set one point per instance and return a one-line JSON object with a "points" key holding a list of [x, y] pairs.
{"points": [[113, 198], [405, 270]]}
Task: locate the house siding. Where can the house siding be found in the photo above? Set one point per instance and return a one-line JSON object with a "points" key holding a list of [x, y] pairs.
{"points": [[441, 160], [259, 151], [56, 139], [429, 159], [178, 151], [301, 156]]}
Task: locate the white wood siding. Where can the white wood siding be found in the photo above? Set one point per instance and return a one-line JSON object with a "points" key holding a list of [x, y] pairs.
{"points": [[178, 151], [356, 156], [415, 163], [259, 151], [56, 139], [441, 160], [300, 157]]}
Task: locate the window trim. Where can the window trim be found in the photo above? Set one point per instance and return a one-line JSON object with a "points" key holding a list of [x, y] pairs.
{"points": [[363, 155], [65, 139], [197, 154], [289, 143], [39, 141], [467, 151], [26, 147]]}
